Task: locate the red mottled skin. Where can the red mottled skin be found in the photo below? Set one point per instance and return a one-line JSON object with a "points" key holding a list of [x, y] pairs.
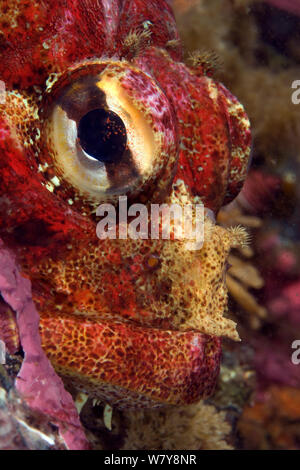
{"points": [[94, 326]]}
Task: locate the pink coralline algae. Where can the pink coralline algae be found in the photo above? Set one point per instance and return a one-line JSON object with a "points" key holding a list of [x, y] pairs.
{"points": [[282, 278], [273, 363], [287, 304], [37, 382]]}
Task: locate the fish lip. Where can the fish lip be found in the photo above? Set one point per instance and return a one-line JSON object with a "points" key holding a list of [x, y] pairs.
{"points": [[136, 322], [168, 367]]}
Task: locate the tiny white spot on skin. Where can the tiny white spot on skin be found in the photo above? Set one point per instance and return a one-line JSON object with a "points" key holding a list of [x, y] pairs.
{"points": [[178, 182], [70, 201], [50, 82], [147, 24], [50, 187], [42, 168], [55, 181], [213, 91]]}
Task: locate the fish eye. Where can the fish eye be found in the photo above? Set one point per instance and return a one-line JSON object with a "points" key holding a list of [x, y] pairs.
{"points": [[110, 133]]}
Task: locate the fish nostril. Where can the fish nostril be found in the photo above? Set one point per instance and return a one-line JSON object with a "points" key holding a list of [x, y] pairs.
{"points": [[102, 135]]}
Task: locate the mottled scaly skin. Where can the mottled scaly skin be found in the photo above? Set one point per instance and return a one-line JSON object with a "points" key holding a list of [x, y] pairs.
{"points": [[132, 322]]}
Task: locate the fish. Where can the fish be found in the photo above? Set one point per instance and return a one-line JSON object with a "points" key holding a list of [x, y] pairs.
{"points": [[98, 107]]}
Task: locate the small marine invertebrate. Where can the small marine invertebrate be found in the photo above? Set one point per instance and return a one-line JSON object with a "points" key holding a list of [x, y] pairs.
{"points": [[83, 123], [206, 62], [136, 41], [241, 235]]}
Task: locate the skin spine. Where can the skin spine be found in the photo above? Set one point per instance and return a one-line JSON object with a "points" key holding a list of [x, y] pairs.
{"points": [[132, 322]]}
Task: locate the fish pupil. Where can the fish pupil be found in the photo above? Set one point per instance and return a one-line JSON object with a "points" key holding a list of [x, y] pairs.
{"points": [[102, 135]]}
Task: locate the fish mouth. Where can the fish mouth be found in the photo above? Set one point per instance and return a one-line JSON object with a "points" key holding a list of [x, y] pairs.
{"points": [[130, 365]]}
